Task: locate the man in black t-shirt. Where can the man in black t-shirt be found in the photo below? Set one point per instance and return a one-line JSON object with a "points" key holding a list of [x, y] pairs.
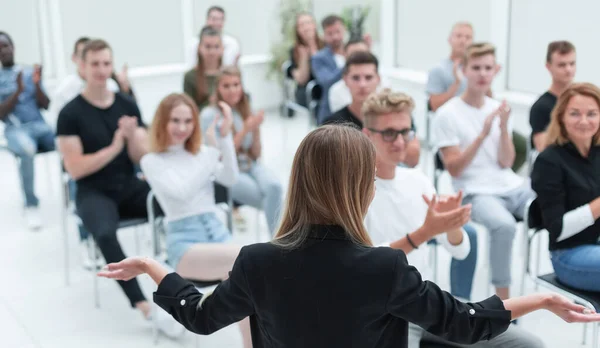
{"points": [[101, 136], [362, 78], [561, 63]]}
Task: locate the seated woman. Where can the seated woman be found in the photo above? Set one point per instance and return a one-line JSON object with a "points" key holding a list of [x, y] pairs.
{"points": [[307, 43], [199, 83], [566, 178], [257, 186], [181, 172]]}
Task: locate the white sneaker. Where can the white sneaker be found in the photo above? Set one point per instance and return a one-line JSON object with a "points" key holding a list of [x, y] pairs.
{"points": [[165, 323], [34, 220], [86, 257]]}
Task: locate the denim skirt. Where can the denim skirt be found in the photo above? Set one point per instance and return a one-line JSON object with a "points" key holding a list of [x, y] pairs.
{"points": [[185, 232]]}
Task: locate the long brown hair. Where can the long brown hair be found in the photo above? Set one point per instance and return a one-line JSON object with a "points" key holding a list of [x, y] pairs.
{"points": [[243, 106], [159, 136], [202, 93], [556, 132], [300, 42], [332, 183]]}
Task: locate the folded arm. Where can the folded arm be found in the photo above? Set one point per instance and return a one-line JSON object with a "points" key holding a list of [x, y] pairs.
{"points": [[80, 165]]}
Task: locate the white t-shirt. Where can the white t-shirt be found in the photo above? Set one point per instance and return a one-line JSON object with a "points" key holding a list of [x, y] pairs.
{"points": [[340, 60], [340, 96], [69, 88], [399, 209], [184, 182], [231, 50], [458, 124]]}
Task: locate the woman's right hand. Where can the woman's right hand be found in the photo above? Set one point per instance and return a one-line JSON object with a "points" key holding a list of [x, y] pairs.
{"points": [[227, 118], [125, 270], [211, 132], [253, 122]]}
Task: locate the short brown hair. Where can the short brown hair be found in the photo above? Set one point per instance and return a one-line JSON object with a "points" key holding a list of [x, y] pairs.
{"points": [[477, 50], [215, 8], [159, 137], [81, 40], [562, 47], [95, 46], [385, 102], [556, 132], [331, 20], [360, 58]]}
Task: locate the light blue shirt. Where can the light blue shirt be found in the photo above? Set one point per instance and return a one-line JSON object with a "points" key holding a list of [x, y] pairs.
{"points": [[441, 77], [27, 109], [209, 113]]}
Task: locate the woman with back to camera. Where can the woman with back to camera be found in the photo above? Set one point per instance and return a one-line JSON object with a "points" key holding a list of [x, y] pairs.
{"points": [[566, 178], [181, 172], [256, 186], [320, 283], [199, 83], [307, 43]]}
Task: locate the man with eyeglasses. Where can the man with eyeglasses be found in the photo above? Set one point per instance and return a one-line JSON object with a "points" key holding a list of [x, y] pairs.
{"points": [[362, 78], [407, 211]]}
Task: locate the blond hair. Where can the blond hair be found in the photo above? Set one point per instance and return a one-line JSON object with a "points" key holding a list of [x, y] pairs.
{"points": [[243, 106], [385, 102], [159, 136], [461, 24], [331, 183], [477, 50], [556, 132]]}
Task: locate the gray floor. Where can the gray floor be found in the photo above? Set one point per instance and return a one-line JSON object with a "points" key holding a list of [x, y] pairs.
{"points": [[37, 309]]}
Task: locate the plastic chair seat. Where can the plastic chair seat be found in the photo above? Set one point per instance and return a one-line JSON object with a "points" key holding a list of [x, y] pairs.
{"points": [[591, 297]]}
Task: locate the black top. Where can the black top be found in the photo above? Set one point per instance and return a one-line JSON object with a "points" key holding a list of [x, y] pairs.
{"points": [[295, 66], [344, 115], [96, 128], [539, 115], [329, 293], [565, 180]]}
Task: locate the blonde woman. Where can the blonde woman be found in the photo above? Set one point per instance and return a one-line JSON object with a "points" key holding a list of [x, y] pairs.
{"points": [[566, 178], [321, 283], [182, 172]]}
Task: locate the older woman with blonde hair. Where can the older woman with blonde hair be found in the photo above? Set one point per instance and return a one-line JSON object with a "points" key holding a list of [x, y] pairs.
{"points": [[566, 178], [321, 283]]}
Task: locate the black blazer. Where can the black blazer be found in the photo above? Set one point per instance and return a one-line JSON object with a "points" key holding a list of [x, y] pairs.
{"points": [[329, 293]]}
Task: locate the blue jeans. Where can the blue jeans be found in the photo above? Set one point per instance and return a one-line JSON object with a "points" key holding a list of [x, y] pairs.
{"points": [[26, 141], [462, 271], [83, 233], [259, 188], [578, 267]]}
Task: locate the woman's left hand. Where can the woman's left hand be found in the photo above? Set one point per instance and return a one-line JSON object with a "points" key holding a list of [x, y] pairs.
{"points": [[125, 270], [569, 311]]}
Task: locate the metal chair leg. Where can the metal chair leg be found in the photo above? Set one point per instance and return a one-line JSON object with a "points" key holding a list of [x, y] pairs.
{"points": [[538, 257], [92, 245], [584, 338], [65, 228], [595, 335]]}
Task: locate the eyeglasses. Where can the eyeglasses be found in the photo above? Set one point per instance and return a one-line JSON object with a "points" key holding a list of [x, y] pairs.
{"points": [[390, 135]]}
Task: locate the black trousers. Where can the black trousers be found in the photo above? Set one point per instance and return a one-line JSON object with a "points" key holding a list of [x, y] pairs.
{"points": [[101, 211]]}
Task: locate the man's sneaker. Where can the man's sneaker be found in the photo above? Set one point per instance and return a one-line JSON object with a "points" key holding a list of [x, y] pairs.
{"points": [[33, 218]]}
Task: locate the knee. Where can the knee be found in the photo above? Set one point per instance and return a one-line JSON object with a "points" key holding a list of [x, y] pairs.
{"points": [[503, 232], [273, 189], [104, 237], [23, 148]]}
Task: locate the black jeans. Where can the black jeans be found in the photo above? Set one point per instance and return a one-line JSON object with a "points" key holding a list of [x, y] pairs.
{"points": [[100, 212]]}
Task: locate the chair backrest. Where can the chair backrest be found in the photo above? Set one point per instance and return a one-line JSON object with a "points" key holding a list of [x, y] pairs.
{"points": [[439, 164], [534, 216]]}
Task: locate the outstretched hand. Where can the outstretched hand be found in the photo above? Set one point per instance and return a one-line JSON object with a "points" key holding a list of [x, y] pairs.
{"points": [[437, 222], [569, 311], [125, 270]]}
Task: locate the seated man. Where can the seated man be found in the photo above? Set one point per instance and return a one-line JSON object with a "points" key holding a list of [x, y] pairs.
{"points": [[215, 18], [446, 81], [327, 64], [339, 93], [69, 88], [361, 75], [474, 135], [101, 135], [21, 97], [406, 200], [560, 62]]}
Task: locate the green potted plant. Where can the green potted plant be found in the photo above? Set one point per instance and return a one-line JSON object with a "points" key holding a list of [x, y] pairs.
{"points": [[354, 19]]}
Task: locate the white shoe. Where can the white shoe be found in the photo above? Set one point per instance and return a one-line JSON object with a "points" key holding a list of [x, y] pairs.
{"points": [[34, 220], [86, 258], [165, 323]]}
